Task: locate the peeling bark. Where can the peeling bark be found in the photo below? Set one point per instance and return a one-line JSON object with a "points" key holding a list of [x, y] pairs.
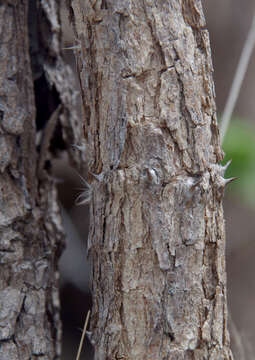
{"points": [[157, 230], [31, 235]]}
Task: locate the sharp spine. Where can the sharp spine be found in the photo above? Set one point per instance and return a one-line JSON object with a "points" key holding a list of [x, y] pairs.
{"points": [[223, 168], [227, 181]]}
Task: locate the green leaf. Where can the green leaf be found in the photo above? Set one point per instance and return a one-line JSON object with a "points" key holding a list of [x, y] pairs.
{"points": [[239, 145]]}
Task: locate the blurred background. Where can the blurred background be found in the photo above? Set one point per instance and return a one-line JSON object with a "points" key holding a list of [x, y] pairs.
{"points": [[228, 22]]}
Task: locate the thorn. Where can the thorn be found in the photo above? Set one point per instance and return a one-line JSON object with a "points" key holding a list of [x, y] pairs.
{"points": [[80, 147], [225, 167], [83, 179], [89, 336], [228, 181], [97, 177], [84, 198], [75, 47]]}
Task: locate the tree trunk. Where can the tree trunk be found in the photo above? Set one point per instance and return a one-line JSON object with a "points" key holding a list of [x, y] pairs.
{"points": [[31, 237], [157, 231]]}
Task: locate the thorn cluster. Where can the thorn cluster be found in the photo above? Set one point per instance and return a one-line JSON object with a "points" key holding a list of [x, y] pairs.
{"points": [[86, 195]]}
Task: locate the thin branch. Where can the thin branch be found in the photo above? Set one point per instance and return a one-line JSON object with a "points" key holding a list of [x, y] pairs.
{"points": [[83, 335], [237, 340], [238, 79]]}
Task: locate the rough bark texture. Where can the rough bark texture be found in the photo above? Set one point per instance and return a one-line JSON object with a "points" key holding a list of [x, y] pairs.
{"points": [[31, 237], [157, 231]]}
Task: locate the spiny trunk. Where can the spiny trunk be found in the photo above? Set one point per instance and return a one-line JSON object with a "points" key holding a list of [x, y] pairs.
{"points": [[157, 231], [31, 237]]}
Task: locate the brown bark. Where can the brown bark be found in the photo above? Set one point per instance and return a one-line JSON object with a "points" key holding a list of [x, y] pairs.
{"points": [[157, 231], [31, 236]]}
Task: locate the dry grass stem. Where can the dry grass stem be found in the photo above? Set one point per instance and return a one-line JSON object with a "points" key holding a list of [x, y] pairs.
{"points": [[238, 79], [83, 336]]}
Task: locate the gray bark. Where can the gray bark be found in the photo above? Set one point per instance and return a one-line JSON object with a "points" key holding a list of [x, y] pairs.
{"points": [[157, 237], [31, 236]]}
